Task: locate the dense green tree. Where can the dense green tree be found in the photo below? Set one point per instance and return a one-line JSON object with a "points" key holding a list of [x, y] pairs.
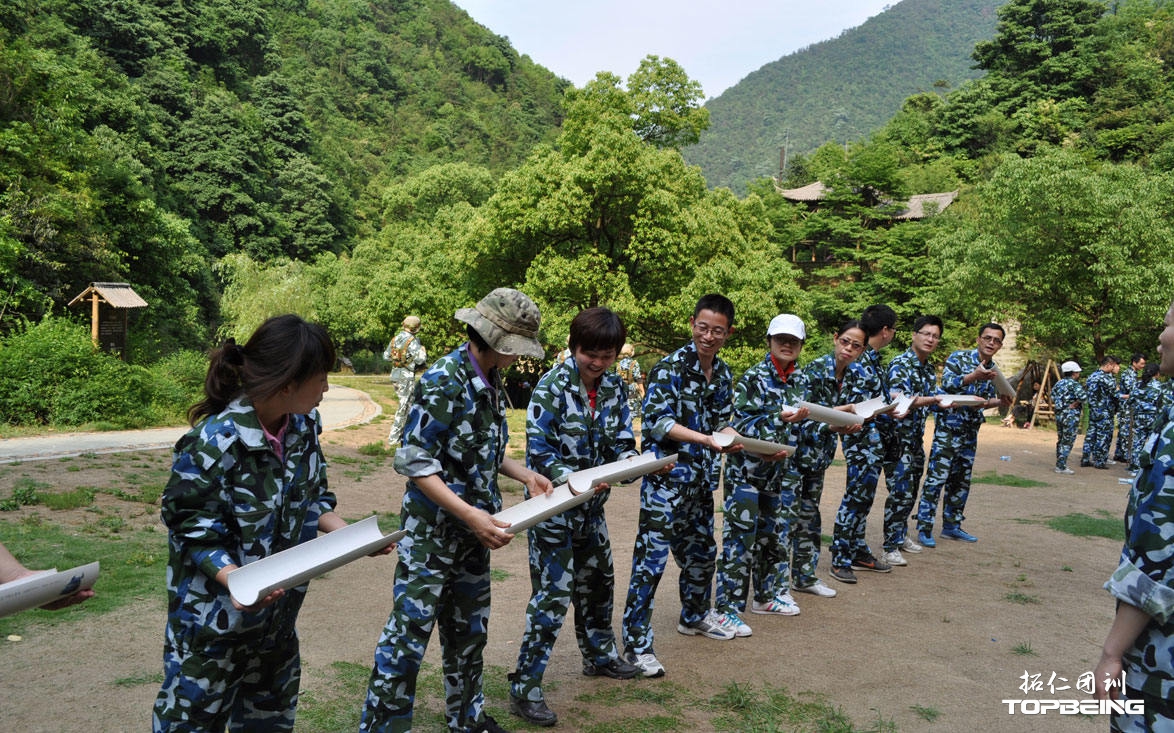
{"points": [[666, 104]]}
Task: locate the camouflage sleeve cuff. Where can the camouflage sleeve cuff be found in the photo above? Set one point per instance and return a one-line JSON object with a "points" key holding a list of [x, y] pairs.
{"points": [[212, 562], [413, 461], [1134, 587], [659, 430]]}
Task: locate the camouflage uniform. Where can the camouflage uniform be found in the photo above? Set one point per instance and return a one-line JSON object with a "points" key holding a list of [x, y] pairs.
{"points": [[629, 370], [1127, 383], [910, 376], [456, 428], [1148, 401], [864, 453], [758, 507], [570, 553], [1101, 388], [955, 438], [676, 510], [1063, 394], [1144, 579], [408, 359], [232, 500], [804, 472]]}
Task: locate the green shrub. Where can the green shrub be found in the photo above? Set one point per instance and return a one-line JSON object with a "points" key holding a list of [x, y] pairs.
{"points": [[35, 361]]}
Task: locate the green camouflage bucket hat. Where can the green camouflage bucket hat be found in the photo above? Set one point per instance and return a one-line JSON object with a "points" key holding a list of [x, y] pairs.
{"points": [[508, 321]]}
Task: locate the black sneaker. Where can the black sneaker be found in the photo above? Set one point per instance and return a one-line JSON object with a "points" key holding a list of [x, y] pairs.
{"points": [[617, 669], [531, 711], [844, 575], [489, 725], [868, 562]]}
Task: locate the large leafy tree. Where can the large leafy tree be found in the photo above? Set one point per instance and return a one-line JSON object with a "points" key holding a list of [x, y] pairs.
{"points": [[1079, 253]]}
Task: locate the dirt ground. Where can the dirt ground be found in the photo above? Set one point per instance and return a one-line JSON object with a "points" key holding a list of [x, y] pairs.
{"points": [[954, 632]]}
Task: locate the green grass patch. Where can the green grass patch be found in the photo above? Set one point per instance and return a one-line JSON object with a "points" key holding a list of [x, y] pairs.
{"points": [[1022, 599], [133, 567], [1003, 479], [1103, 524], [379, 449], [72, 499], [928, 714], [1023, 649], [768, 709]]}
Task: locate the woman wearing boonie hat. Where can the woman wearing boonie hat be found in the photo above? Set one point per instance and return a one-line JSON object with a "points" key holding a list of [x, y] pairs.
{"points": [[1068, 401], [453, 448]]}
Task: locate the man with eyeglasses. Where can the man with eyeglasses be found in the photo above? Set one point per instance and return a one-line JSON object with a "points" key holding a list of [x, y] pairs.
{"points": [[687, 399], [910, 373], [951, 457]]}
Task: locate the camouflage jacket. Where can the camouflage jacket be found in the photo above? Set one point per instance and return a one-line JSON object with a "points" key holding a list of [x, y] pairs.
{"points": [[230, 501], [564, 434], [759, 397], [1145, 576], [908, 375], [629, 370], [1063, 394], [1148, 403], [1127, 385], [456, 428], [677, 392], [1101, 388], [865, 379], [960, 364], [816, 441], [406, 351]]}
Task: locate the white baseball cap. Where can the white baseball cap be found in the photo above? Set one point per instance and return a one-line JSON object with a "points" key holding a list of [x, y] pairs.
{"points": [[1069, 366], [788, 324]]}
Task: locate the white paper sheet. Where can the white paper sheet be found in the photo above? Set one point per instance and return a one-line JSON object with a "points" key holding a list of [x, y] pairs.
{"points": [[753, 445], [1002, 384], [577, 490], [290, 568], [961, 400], [837, 418], [903, 402], [45, 587], [873, 407]]}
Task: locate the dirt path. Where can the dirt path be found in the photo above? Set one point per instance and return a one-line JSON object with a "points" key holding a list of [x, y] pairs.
{"points": [[941, 633]]}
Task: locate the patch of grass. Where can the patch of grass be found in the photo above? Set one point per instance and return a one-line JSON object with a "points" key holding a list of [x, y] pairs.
{"points": [[72, 499], [1024, 649], [496, 575], [749, 708], [1000, 479], [1022, 599], [155, 678], [1103, 524], [927, 714], [334, 703], [380, 449]]}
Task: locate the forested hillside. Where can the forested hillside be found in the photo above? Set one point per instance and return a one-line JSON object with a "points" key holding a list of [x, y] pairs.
{"points": [[144, 140], [840, 90]]}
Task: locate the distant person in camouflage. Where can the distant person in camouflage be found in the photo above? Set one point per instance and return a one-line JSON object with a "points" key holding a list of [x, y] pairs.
{"points": [[1139, 648], [756, 537], [629, 370], [688, 399], [910, 373], [1101, 388], [248, 480], [865, 450], [578, 418], [454, 446], [1068, 398], [1126, 383], [408, 358], [951, 457], [1149, 397]]}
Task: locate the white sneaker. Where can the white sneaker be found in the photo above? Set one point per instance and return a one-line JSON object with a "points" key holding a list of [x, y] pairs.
{"points": [[818, 588], [910, 545], [734, 622], [1065, 471], [783, 605], [893, 557], [710, 626], [647, 663]]}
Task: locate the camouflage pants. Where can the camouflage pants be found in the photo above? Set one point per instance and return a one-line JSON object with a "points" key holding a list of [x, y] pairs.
{"points": [[806, 526], [848, 540], [241, 684], [570, 563], [1096, 440], [755, 545], [903, 477], [403, 392], [951, 459], [1124, 435], [676, 518], [1066, 428], [442, 579]]}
